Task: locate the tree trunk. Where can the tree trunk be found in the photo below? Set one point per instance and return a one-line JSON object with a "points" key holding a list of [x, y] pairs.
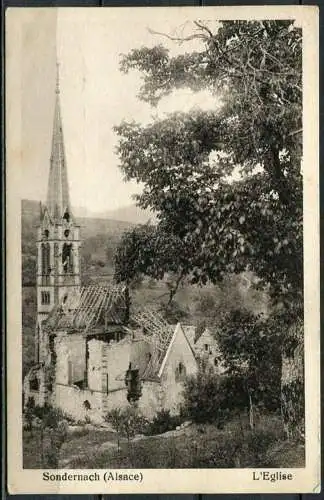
{"points": [[292, 383], [251, 413]]}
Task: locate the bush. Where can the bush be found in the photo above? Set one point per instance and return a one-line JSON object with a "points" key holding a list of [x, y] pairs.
{"points": [[206, 398], [162, 422], [126, 421], [29, 414], [53, 430], [249, 450], [224, 454], [258, 444]]}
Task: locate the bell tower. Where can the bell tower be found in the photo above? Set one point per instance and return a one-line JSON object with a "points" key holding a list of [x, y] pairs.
{"points": [[58, 239]]}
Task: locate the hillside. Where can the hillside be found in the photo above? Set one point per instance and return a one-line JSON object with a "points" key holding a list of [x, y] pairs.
{"points": [[129, 213]]}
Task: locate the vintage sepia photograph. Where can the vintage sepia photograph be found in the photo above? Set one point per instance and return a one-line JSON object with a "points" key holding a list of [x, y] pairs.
{"points": [[161, 169]]}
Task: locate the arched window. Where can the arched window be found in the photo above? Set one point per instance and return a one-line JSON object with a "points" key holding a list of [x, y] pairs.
{"points": [[180, 372], [34, 384], [46, 268], [66, 216], [67, 258]]}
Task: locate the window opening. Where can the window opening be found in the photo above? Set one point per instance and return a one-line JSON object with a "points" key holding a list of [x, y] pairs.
{"points": [[45, 259], [34, 384], [45, 298], [87, 405], [66, 216], [133, 383], [52, 351], [180, 372], [67, 258]]}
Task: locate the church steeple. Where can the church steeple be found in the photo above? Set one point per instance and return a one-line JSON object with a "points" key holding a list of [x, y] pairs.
{"points": [[58, 241], [58, 199]]}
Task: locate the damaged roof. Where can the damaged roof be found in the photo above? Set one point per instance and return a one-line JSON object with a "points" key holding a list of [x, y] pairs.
{"points": [[160, 335], [88, 308], [156, 332]]}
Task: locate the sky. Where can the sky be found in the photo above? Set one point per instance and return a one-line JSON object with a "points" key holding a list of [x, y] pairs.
{"points": [[95, 95]]}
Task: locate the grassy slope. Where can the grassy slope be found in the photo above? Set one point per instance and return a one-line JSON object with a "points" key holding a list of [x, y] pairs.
{"points": [[196, 446]]}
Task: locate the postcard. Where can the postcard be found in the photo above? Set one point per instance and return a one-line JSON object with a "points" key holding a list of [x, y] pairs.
{"points": [[162, 178]]}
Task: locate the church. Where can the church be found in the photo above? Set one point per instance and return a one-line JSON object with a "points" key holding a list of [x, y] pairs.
{"points": [[91, 353]]}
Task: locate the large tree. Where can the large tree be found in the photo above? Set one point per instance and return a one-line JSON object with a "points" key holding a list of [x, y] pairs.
{"points": [[226, 185]]}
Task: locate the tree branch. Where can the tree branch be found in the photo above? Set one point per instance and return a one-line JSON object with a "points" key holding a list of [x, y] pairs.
{"points": [[176, 38], [174, 290], [204, 28]]}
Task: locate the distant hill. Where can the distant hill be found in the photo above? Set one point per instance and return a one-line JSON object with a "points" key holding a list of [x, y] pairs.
{"points": [[100, 237], [130, 213]]}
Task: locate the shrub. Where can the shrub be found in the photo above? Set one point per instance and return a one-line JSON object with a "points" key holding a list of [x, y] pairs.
{"points": [[29, 414], [206, 398], [258, 444], [237, 450], [53, 433], [126, 421], [163, 422], [224, 454]]}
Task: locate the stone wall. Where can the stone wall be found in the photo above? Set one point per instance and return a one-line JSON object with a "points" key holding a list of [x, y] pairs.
{"points": [[172, 384], [95, 365], [115, 362], [151, 400], [207, 348], [115, 399], [70, 349], [75, 402], [38, 396]]}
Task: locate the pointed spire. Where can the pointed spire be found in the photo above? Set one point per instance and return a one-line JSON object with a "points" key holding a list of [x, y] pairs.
{"points": [[57, 86], [58, 200]]}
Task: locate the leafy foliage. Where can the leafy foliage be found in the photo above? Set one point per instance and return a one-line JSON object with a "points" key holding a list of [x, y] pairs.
{"points": [[162, 422], [54, 431], [252, 349], [205, 399], [211, 222], [126, 421]]}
